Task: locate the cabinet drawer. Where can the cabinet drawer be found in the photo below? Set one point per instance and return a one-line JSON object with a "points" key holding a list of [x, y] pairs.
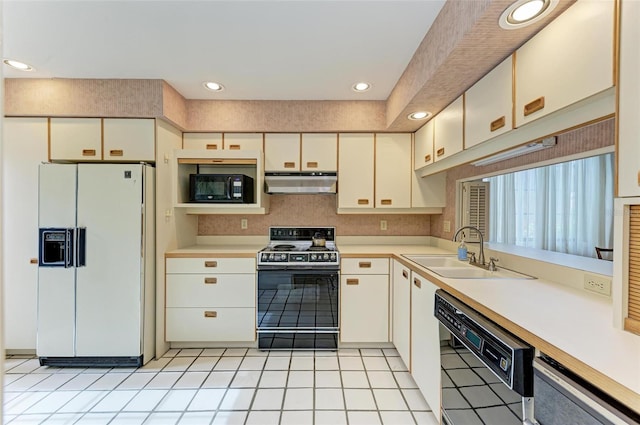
{"points": [[365, 266], [225, 290], [210, 324], [211, 265]]}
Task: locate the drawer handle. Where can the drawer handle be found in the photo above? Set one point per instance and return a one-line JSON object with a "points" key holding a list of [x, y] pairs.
{"points": [[234, 147], [353, 281], [427, 158], [210, 280], [211, 264], [385, 202], [405, 274], [210, 314], [417, 283], [88, 152], [212, 146], [312, 164], [289, 165], [33, 261], [364, 264], [534, 106], [440, 152], [363, 202], [498, 124], [116, 152]]}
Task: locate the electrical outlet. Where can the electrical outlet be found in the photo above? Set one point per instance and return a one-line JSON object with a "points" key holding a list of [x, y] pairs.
{"points": [[597, 284], [447, 226], [244, 223], [383, 224]]}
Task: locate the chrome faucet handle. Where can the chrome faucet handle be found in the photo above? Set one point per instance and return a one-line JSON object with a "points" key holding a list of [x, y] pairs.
{"points": [[492, 264], [472, 257]]}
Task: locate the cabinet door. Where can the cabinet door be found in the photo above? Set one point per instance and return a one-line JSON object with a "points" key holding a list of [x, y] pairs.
{"points": [[129, 139], [282, 152], [364, 312], [567, 61], [393, 170], [25, 147], [76, 139], [355, 170], [425, 341], [210, 141], [320, 152], [243, 141], [488, 105], [628, 154], [423, 142], [402, 311], [448, 130]]}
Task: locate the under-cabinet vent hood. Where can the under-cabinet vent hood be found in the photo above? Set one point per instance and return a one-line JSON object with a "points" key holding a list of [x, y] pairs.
{"points": [[309, 183]]}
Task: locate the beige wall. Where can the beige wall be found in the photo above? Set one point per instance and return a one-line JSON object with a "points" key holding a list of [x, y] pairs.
{"points": [[594, 136], [314, 210]]}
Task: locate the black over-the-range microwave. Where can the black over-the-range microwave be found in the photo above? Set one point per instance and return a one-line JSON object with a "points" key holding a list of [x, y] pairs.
{"points": [[221, 188]]}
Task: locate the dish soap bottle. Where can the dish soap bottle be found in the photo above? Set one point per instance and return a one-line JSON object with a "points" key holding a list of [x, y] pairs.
{"points": [[462, 250]]}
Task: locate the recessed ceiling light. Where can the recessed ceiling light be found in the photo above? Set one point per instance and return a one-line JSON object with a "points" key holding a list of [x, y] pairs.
{"points": [[18, 65], [210, 85], [362, 86], [525, 12], [420, 115]]}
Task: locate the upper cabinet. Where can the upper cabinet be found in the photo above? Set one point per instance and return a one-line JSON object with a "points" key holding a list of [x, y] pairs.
{"points": [[567, 61], [448, 130], [393, 170], [226, 141], [319, 152], [95, 139], [488, 105], [628, 149], [423, 140], [292, 152], [356, 170]]}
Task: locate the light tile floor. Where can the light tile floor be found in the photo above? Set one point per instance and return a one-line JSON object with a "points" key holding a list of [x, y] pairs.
{"points": [[218, 386]]}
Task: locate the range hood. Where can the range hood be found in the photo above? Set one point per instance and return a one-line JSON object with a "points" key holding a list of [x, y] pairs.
{"points": [[300, 183]]}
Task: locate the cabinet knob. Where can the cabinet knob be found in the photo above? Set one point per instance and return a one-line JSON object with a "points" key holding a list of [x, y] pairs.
{"points": [[210, 314], [363, 202], [312, 164], [385, 202], [534, 106], [211, 264], [417, 282], [210, 280], [234, 147], [212, 146], [116, 152], [353, 281], [498, 124], [364, 264], [427, 158], [440, 152], [289, 165], [88, 152]]}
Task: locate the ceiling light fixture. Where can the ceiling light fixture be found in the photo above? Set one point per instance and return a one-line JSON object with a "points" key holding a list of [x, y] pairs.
{"points": [[360, 87], [421, 115], [18, 65], [210, 85], [518, 151], [525, 12]]}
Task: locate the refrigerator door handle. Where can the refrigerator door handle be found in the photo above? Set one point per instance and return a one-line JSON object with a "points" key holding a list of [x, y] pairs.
{"points": [[81, 247], [68, 248]]}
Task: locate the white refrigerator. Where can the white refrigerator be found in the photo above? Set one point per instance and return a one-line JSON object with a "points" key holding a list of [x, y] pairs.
{"points": [[96, 274]]}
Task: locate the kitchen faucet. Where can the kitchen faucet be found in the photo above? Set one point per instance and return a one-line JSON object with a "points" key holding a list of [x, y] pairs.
{"points": [[481, 255]]}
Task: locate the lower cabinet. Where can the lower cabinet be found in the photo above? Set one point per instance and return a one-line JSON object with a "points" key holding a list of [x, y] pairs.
{"points": [[425, 341], [401, 284], [210, 299], [364, 299]]}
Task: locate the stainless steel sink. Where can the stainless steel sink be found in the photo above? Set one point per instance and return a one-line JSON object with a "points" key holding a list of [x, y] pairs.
{"points": [[450, 267]]}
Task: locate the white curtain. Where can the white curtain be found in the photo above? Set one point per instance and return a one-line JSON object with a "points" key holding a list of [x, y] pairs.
{"points": [[566, 207]]}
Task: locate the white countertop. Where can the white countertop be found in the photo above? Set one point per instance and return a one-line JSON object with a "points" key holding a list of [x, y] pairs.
{"points": [[541, 312]]}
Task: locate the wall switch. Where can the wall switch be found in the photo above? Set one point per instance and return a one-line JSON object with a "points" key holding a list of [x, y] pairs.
{"points": [[244, 223], [597, 284], [447, 226], [383, 224]]}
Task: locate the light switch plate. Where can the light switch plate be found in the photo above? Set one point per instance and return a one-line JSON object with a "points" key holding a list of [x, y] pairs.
{"points": [[447, 226], [383, 224]]}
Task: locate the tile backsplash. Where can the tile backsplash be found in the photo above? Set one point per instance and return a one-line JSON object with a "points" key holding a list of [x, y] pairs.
{"points": [[314, 210]]}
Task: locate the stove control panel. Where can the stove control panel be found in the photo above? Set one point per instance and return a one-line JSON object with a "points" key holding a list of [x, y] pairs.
{"points": [[296, 257]]}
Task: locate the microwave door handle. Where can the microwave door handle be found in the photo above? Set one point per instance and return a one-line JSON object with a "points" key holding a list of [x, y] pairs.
{"points": [[229, 187]]}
